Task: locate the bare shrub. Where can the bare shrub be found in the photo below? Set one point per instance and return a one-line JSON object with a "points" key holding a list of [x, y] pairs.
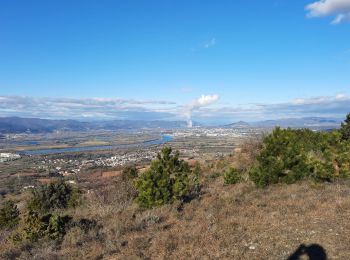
{"points": [[111, 199], [74, 237], [245, 157]]}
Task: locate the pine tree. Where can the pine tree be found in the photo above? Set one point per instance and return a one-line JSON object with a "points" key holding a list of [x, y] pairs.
{"points": [[56, 195], [166, 180], [345, 128], [9, 215]]}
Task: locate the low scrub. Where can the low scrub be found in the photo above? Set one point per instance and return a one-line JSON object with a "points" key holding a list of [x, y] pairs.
{"points": [[36, 227], [9, 215], [345, 129], [290, 155], [56, 195], [232, 176], [44, 217]]}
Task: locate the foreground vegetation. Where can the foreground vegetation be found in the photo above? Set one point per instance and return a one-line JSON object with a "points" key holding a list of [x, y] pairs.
{"points": [[183, 210], [167, 179], [290, 155]]}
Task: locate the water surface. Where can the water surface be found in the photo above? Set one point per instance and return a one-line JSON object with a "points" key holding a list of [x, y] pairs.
{"points": [[164, 139]]}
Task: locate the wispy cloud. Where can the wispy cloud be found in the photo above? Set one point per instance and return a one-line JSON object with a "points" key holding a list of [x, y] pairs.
{"points": [[338, 8], [326, 106], [210, 43], [205, 108], [80, 108], [333, 106]]}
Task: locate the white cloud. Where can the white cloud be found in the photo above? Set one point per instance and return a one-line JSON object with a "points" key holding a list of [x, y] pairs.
{"points": [[78, 108], [339, 8], [325, 106], [203, 108], [341, 96], [205, 100]]}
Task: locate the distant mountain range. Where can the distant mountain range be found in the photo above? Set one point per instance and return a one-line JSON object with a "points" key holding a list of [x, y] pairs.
{"points": [[239, 124], [316, 123], [36, 125]]}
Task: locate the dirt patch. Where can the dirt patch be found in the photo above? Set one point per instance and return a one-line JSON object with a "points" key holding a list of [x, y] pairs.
{"points": [[111, 174]]}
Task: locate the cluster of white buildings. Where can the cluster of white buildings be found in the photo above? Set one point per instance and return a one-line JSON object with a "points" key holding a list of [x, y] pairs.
{"points": [[121, 160], [4, 157], [61, 166], [72, 167], [215, 132]]}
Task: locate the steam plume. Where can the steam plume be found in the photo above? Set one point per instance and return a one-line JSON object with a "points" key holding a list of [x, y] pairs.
{"points": [[197, 104]]}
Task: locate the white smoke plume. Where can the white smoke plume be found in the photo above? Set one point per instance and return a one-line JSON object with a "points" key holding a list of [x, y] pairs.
{"points": [[197, 104]]}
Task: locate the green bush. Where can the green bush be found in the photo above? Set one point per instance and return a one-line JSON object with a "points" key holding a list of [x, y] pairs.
{"points": [[345, 128], [49, 226], [232, 176], [56, 195], [36, 227], [57, 226], [291, 155], [197, 170], [282, 158], [195, 180], [343, 159], [129, 173], [167, 179], [9, 215], [42, 221]]}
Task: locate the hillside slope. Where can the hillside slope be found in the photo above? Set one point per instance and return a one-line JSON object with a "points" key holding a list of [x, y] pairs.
{"points": [[226, 222], [242, 222]]}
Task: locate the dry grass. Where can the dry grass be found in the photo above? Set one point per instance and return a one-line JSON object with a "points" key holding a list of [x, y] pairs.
{"points": [[225, 222], [241, 222]]}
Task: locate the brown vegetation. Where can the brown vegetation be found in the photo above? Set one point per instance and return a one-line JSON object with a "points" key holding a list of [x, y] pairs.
{"points": [[236, 222]]}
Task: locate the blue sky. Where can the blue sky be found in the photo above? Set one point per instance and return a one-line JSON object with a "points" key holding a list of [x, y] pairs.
{"points": [[161, 56]]}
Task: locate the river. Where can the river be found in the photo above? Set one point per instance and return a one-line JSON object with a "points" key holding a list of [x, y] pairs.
{"points": [[164, 139]]}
